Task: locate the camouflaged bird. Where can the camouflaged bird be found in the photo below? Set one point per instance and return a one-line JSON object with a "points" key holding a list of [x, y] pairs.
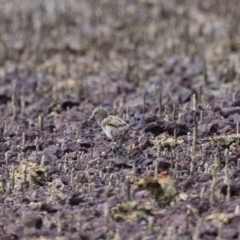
{"points": [[114, 127]]}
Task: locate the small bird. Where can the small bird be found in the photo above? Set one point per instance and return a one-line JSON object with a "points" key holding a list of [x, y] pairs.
{"points": [[114, 127]]}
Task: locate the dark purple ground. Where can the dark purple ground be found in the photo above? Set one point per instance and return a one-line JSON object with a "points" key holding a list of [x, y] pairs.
{"points": [[144, 61]]}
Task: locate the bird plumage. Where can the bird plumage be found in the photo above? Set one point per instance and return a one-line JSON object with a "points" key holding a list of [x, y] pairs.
{"points": [[114, 127]]}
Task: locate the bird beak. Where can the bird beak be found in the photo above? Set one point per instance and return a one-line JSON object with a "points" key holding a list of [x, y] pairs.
{"points": [[91, 118]]}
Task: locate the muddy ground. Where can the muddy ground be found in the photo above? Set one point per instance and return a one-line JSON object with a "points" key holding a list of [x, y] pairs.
{"points": [[170, 69]]}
